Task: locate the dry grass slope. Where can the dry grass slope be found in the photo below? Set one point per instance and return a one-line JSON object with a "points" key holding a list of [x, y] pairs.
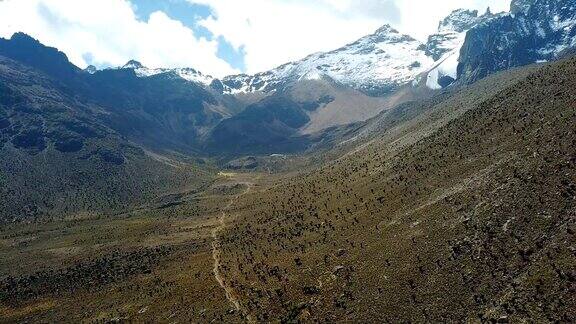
{"points": [[467, 214]]}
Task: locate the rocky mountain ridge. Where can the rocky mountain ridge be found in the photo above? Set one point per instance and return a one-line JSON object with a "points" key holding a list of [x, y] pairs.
{"points": [[188, 74], [444, 46], [533, 31]]}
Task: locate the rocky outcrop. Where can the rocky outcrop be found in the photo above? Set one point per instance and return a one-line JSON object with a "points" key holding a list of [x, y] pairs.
{"points": [[534, 31], [444, 46], [449, 30]]}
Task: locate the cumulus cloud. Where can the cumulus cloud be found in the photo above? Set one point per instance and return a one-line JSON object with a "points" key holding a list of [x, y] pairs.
{"points": [[273, 32], [108, 33]]}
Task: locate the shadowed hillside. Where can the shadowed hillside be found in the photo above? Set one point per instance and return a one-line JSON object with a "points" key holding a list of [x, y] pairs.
{"points": [[58, 159]]}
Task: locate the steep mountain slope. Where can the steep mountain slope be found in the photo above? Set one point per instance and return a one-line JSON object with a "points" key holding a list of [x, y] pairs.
{"points": [[59, 159], [163, 111], [534, 31], [474, 192], [268, 126], [340, 105]]}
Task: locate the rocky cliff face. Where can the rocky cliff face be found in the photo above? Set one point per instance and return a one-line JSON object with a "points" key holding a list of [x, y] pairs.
{"points": [[533, 31], [450, 31], [444, 46]]}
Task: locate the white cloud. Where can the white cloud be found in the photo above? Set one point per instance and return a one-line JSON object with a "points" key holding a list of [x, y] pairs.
{"points": [[277, 31], [108, 32]]}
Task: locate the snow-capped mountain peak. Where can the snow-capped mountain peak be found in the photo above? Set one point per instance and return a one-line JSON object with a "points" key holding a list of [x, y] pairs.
{"points": [[375, 64], [459, 21], [444, 46], [188, 74], [133, 64], [385, 30]]}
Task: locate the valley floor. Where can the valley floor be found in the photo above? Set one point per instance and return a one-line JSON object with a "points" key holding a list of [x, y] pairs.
{"points": [[152, 264]]}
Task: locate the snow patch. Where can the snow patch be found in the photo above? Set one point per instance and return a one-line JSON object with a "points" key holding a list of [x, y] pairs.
{"points": [[187, 74], [448, 67], [448, 64], [312, 75]]}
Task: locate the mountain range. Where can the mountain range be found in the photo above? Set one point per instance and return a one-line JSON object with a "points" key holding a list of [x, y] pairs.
{"points": [[134, 113], [389, 180], [395, 68], [377, 64]]}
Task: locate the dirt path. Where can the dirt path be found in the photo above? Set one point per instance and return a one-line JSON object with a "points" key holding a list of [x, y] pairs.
{"points": [[217, 253]]}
